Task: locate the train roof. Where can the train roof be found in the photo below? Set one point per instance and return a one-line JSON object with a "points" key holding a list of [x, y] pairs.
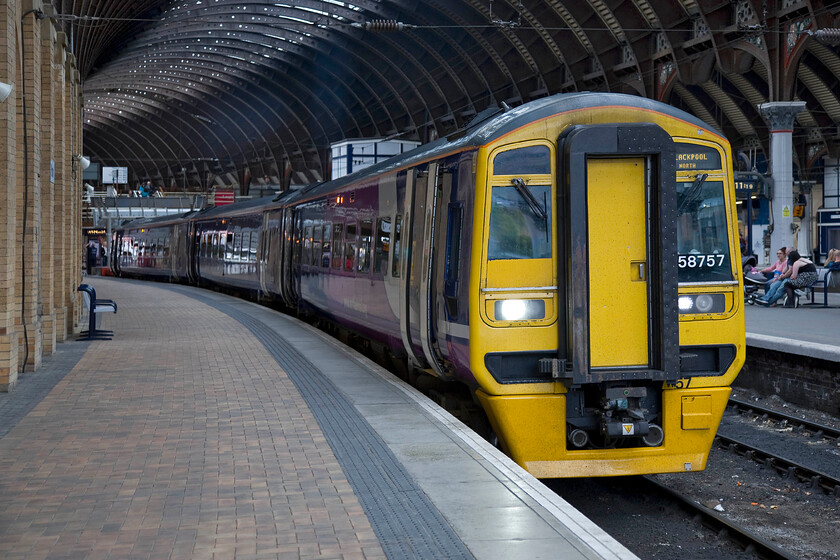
{"points": [[250, 206], [157, 220], [493, 124]]}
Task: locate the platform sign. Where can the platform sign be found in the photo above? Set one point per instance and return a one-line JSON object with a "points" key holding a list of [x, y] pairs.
{"points": [[224, 196], [114, 175]]}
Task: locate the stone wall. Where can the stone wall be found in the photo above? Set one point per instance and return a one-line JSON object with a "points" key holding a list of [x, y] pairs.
{"points": [[40, 188], [801, 380]]}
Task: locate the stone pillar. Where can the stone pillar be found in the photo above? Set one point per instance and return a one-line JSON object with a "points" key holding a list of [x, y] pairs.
{"points": [[61, 223], [28, 271], [74, 134], [9, 65], [780, 116], [48, 183]]}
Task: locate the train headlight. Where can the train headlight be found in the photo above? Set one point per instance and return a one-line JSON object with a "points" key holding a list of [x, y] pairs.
{"points": [[702, 303], [520, 309]]}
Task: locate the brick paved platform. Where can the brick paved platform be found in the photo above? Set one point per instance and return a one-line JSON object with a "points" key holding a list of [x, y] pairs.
{"points": [[210, 427]]}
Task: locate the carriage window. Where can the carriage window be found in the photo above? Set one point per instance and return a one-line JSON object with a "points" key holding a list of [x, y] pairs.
{"points": [[317, 232], [519, 222], [325, 251], [252, 252], [702, 233], [229, 246], [338, 229], [349, 246], [395, 267], [533, 160], [307, 245], [382, 246], [366, 231]]}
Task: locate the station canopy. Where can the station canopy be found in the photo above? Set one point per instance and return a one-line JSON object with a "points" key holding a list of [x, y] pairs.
{"points": [[208, 92]]}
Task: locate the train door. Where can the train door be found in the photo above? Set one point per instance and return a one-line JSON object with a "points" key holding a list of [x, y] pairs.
{"points": [[285, 256], [411, 262], [618, 199], [445, 218]]}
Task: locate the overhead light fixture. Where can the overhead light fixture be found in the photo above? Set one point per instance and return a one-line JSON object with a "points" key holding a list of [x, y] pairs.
{"points": [[5, 90], [84, 161]]}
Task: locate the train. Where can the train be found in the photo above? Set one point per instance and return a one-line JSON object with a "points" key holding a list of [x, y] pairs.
{"points": [[572, 262]]}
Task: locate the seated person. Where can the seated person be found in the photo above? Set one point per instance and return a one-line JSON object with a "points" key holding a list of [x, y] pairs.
{"points": [[778, 266], [832, 261], [774, 291], [803, 273]]}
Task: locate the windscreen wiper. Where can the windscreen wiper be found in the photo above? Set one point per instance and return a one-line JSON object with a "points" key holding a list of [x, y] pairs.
{"points": [[523, 191], [692, 193]]}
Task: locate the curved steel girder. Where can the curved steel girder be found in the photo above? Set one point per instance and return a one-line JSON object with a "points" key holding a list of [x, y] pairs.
{"points": [[465, 16], [381, 42], [306, 51], [211, 68], [157, 135], [208, 89], [231, 82], [109, 128], [289, 37]]}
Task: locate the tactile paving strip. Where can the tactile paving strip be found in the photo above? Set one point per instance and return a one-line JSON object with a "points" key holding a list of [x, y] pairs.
{"points": [[407, 524]]}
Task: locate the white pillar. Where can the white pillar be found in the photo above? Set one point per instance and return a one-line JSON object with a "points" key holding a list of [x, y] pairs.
{"points": [[780, 116]]}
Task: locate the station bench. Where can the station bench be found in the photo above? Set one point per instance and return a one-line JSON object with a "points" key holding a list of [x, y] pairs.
{"points": [[824, 283], [95, 306]]}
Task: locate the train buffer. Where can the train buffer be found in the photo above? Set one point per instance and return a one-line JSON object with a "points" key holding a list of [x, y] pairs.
{"points": [[95, 306]]}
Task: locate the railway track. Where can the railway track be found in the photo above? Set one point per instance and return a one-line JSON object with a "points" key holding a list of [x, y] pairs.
{"points": [[816, 429], [724, 528], [785, 467]]}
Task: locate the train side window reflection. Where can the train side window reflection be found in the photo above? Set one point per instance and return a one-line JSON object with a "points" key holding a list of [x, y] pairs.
{"points": [[395, 235], [325, 254], [382, 246], [349, 246], [366, 232], [338, 229]]}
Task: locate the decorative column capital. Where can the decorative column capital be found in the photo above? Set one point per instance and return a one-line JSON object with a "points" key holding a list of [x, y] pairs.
{"points": [[780, 114]]}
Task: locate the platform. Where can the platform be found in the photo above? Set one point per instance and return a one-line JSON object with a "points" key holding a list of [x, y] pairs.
{"points": [[211, 427], [810, 330]]}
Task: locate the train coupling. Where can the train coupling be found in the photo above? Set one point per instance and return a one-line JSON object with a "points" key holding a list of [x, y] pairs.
{"points": [[624, 416]]}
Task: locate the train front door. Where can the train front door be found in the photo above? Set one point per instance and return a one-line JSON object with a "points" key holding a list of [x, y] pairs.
{"points": [[618, 253], [618, 262]]}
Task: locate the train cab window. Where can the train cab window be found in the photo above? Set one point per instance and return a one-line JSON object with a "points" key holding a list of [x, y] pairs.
{"points": [[365, 238], [325, 250], [317, 232], [532, 160], [349, 246], [702, 232], [520, 225], [520, 204], [382, 246], [395, 266], [338, 230]]}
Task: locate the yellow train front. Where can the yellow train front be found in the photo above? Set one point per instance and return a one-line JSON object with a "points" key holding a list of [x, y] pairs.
{"points": [[606, 323]]}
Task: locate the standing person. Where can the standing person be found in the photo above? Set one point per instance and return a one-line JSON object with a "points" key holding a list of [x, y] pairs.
{"points": [[111, 191], [91, 254]]}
